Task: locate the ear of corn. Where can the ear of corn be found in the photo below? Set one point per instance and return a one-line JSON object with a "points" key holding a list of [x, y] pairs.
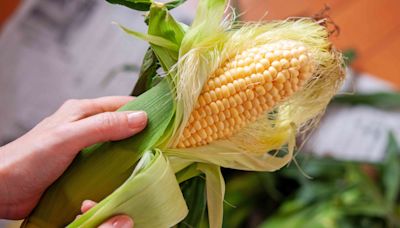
{"points": [[232, 96]]}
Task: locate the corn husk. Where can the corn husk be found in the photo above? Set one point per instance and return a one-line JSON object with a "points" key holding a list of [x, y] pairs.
{"points": [[188, 56]]}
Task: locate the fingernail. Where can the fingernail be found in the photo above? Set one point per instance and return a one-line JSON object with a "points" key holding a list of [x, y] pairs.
{"points": [[123, 221], [137, 120]]}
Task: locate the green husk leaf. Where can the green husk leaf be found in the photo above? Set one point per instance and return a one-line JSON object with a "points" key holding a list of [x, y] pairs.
{"points": [[99, 170], [147, 73], [386, 100], [156, 40], [173, 4], [140, 197], [195, 197], [141, 5], [215, 186], [162, 24]]}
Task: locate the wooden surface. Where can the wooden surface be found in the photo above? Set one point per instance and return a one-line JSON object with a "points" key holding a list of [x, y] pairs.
{"points": [[371, 27]]}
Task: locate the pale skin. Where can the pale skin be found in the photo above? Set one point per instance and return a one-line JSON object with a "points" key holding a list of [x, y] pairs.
{"points": [[34, 161]]}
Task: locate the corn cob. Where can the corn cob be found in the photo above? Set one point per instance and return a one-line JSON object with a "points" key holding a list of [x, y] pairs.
{"points": [[211, 97], [244, 88]]}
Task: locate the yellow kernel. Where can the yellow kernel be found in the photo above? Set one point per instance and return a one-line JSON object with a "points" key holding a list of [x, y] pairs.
{"points": [[257, 58], [225, 91], [268, 86], [217, 82], [277, 65], [220, 125], [225, 101], [218, 92], [265, 63], [247, 61], [303, 59], [294, 63], [215, 118], [285, 63], [240, 63], [229, 77], [220, 105], [286, 73], [207, 109], [213, 95], [203, 134], [253, 78], [238, 99], [186, 133], [214, 107], [197, 137], [267, 76], [259, 67], [280, 78], [192, 141], [247, 105], [250, 94], [202, 102], [203, 123], [273, 72], [196, 114], [260, 90], [197, 125], [234, 112], [293, 73], [249, 83], [222, 78], [210, 120], [242, 84], [231, 88], [236, 84], [221, 116], [260, 78], [243, 96], [219, 71], [207, 97], [232, 102]]}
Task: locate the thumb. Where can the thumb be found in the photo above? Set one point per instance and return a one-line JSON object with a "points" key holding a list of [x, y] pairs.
{"points": [[107, 126]]}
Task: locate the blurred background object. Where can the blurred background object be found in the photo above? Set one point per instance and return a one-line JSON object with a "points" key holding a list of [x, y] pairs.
{"points": [[53, 50]]}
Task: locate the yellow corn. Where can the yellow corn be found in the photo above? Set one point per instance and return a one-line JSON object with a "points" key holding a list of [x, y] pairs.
{"points": [[245, 87]]}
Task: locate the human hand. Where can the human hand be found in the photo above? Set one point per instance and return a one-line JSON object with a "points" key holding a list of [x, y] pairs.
{"points": [[119, 221], [34, 161]]}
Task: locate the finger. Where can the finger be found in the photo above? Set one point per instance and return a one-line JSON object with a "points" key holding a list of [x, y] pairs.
{"points": [[107, 126], [120, 221], [73, 110], [86, 205]]}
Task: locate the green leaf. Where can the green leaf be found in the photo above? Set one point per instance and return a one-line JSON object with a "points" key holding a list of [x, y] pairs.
{"points": [[141, 5], [195, 197], [162, 24], [147, 72], [99, 170], [140, 197], [391, 172], [154, 40], [173, 4], [215, 186], [379, 100]]}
